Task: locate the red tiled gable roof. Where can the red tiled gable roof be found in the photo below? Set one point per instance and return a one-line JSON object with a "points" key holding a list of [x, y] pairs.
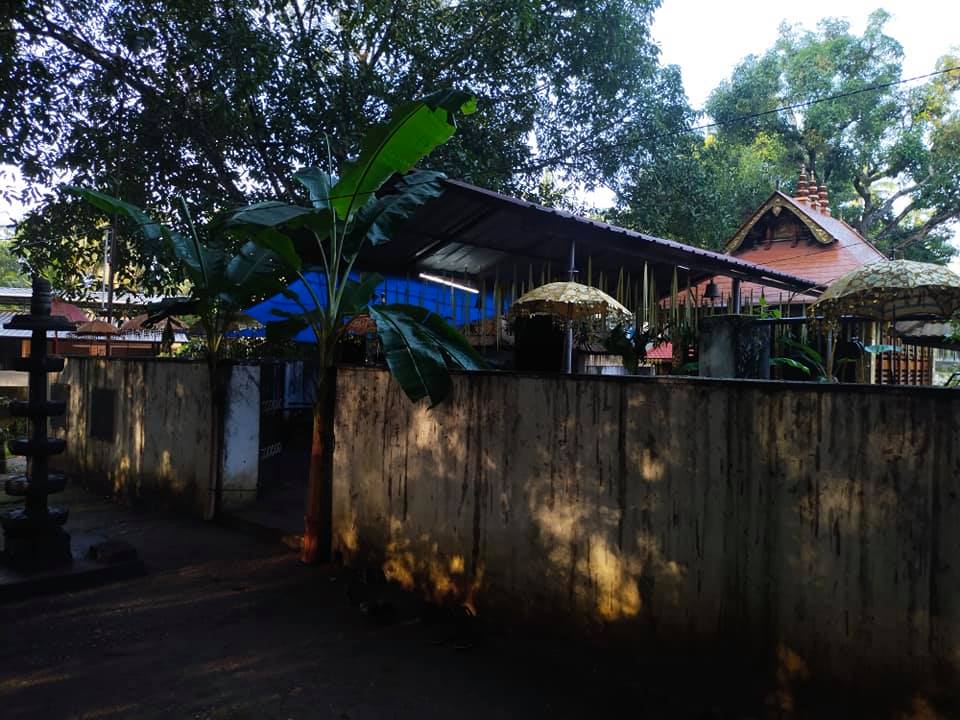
{"points": [[663, 351], [838, 250]]}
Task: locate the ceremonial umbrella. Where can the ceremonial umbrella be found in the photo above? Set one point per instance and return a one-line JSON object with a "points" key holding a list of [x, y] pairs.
{"points": [[891, 290], [571, 302]]}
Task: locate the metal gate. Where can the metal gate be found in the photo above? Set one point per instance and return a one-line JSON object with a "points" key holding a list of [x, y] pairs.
{"points": [[271, 429], [286, 413]]}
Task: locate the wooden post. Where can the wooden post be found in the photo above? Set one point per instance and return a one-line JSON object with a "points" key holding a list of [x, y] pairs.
{"points": [[568, 337]]}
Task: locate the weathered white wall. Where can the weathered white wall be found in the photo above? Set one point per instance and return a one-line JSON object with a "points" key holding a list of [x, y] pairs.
{"points": [[241, 438], [160, 447], [820, 520]]}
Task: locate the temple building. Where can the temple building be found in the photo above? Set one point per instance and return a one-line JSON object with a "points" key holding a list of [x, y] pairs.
{"points": [[799, 235]]}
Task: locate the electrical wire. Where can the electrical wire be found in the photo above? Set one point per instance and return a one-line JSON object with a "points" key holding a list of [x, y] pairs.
{"points": [[763, 113]]}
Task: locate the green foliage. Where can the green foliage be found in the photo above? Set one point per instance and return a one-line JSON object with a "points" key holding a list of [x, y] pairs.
{"points": [[790, 362], [805, 358], [419, 346], [954, 335], [766, 313], [704, 190], [10, 428], [630, 349], [222, 282], [415, 129], [889, 153], [11, 270], [350, 211], [248, 349], [215, 101]]}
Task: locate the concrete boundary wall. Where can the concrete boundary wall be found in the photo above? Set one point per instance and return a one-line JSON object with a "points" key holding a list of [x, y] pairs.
{"points": [[157, 446], [240, 454], [820, 522]]}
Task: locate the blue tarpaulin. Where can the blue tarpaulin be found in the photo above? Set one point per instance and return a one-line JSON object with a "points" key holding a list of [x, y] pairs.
{"points": [[457, 307]]}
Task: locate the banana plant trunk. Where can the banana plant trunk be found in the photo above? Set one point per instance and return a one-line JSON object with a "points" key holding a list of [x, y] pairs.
{"points": [[318, 518], [218, 391]]}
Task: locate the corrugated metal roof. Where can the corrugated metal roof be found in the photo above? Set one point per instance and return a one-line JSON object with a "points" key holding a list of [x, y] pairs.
{"points": [[481, 233], [93, 299], [139, 337]]}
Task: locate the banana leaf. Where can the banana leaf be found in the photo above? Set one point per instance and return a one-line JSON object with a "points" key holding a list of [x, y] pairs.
{"points": [[420, 347], [265, 214], [790, 362], [150, 228], [188, 249], [379, 218], [279, 245], [412, 132], [357, 295], [318, 183]]}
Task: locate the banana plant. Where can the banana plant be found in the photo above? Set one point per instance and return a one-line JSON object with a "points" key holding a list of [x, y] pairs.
{"points": [[222, 282], [375, 194]]}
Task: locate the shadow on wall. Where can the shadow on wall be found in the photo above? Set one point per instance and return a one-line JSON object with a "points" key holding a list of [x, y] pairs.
{"points": [[803, 524], [137, 430]]}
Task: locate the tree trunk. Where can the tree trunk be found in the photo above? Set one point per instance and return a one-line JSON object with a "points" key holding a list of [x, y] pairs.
{"points": [[318, 520]]}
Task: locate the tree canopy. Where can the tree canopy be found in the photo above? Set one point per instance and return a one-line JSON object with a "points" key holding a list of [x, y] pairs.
{"points": [[889, 151], [217, 101], [11, 272]]}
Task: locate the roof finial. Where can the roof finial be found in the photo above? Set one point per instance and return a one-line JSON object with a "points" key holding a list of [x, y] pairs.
{"points": [[802, 185], [824, 200], [814, 192]]}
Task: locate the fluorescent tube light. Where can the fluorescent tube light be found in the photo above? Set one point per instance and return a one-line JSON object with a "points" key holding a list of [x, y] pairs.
{"points": [[449, 283]]}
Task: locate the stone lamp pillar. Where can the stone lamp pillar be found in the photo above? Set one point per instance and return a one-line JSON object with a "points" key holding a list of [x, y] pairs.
{"points": [[734, 346], [34, 538]]}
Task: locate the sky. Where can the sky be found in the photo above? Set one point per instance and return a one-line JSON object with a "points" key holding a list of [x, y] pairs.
{"points": [[706, 39]]}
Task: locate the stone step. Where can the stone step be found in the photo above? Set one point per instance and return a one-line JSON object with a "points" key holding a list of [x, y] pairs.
{"points": [[19, 521], [48, 408], [32, 448], [20, 485]]}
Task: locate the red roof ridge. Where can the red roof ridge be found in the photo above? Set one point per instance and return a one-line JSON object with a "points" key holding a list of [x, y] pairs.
{"points": [[826, 229]]}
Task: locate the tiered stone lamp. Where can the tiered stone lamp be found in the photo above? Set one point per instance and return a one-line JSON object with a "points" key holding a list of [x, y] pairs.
{"points": [[34, 538]]}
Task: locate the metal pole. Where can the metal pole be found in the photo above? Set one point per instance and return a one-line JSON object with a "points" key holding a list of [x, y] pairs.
{"points": [[568, 340], [110, 279]]}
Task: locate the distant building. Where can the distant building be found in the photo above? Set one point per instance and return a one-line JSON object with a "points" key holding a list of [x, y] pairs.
{"points": [[797, 235], [800, 235]]}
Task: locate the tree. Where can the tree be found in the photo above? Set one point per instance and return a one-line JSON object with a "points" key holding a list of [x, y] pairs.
{"points": [[344, 214], [704, 189], [227, 268], [214, 101], [11, 271], [888, 151], [347, 213]]}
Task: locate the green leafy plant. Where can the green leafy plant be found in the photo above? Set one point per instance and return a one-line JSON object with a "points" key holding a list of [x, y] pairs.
{"points": [[346, 214], [626, 347], [954, 334], [228, 268], [766, 312], [807, 359]]}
